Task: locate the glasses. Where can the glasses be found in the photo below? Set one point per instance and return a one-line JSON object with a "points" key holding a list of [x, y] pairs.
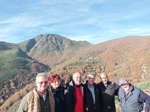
{"points": [[90, 78], [45, 82]]}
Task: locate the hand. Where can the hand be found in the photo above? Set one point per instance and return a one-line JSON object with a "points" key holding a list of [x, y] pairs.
{"points": [[87, 109], [143, 111]]}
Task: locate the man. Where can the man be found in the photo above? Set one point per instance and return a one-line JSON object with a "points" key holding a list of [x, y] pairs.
{"points": [[40, 99], [74, 94], [132, 98], [108, 90], [92, 94]]}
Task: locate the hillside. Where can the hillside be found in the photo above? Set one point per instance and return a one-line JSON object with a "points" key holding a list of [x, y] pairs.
{"points": [[16, 69], [125, 57], [128, 57]]}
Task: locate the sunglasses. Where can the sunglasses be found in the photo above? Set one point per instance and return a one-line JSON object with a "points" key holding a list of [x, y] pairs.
{"points": [[45, 82]]}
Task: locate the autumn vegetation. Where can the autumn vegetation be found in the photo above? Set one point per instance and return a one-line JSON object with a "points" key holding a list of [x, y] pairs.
{"points": [[19, 63]]}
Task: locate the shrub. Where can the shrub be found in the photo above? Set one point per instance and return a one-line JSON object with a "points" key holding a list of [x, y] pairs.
{"points": [[143, 85]]}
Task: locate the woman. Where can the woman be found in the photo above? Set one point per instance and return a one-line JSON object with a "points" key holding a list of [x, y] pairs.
{"points": [[58, 92]]}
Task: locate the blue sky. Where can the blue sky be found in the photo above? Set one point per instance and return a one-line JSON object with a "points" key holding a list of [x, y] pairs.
{"points": [[94, 21]]}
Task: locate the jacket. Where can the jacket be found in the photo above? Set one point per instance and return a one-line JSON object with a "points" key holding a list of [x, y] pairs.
{"points": [[70, 97], [108, 96], [32, 102], [134, 100], [92, 107], [59, 98]]}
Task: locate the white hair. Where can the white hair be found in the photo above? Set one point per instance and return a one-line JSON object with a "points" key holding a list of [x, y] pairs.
{"points": [[91, 73], [41, 75]]}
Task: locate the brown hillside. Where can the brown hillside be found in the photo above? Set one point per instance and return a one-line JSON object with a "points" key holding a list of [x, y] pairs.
{"points": [[128, 57], [125, 57]]}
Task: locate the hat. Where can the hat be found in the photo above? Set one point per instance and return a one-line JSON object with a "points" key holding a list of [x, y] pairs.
{"points": [[123, 81]]}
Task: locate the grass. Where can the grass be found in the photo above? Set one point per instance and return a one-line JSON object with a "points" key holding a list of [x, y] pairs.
{"points": [[143, 85], [117, 103], [80, 63], [120, 72], [11, 64]]}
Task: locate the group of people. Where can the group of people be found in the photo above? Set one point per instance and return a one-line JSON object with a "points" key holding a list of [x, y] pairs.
{"points": [[50, 96]]}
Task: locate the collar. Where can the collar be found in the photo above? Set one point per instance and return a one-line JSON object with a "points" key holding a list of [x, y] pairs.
{"points": [[71, 83], [42, 94], [90, 86], [108, 83], [53, 90]]}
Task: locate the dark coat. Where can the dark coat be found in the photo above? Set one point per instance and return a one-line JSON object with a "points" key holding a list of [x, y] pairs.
{"points": [[108, 96], [70, 97], [89, 99], [59, 98]]}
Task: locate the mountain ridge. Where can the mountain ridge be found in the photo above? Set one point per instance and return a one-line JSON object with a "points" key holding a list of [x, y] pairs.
{"points": [[124, 57], [52, 46]]}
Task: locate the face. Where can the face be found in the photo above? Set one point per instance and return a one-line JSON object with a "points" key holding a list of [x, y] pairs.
{"points": [[104, 78], [55, 84], [91, 79], [77, 78], [41, 84], [125, 87]]}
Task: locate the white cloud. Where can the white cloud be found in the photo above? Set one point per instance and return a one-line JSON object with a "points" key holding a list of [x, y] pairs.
{"points": [[94, 21]]}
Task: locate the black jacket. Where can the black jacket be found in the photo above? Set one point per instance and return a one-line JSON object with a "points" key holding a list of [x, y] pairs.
{"points": [[59, 98], [70, 97], [108, 96], [89, 99]]}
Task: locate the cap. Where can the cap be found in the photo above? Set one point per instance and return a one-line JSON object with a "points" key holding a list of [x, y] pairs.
{"points": [[123, 81]]}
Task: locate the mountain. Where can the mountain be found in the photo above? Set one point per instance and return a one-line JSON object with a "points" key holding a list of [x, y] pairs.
{"points": [[52, 49], [124, 57], [6, 46], [19, 63]]}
